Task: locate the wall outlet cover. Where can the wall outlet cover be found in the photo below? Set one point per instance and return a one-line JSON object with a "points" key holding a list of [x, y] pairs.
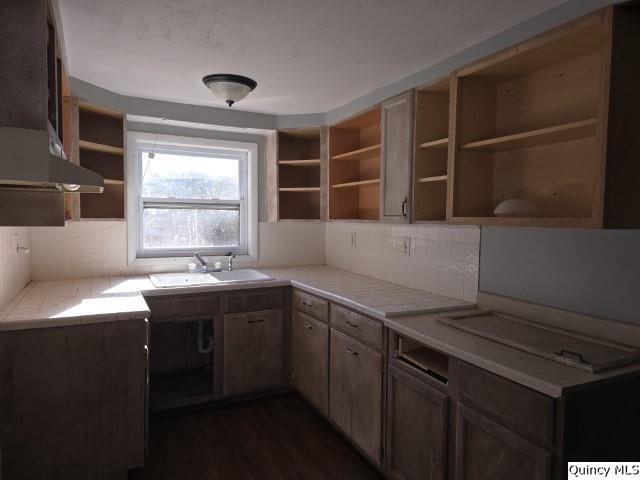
{"points": [[406, 246]]}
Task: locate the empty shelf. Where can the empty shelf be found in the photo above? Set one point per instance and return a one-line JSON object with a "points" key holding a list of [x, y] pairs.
{"points": [[113, 182], [301, 163], [360, 154], [533, 138], [440, 178], [361, 183], [299, 189], [97, 147], [441, 143]]}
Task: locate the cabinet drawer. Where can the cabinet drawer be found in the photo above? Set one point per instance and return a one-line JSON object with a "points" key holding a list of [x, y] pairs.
{"points": [[356, 325], [521, 409], [183, 306], [311, 305], [254, 300]]}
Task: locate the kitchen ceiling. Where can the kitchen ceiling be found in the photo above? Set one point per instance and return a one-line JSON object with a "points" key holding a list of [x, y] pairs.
{"points": [[307, 56]]}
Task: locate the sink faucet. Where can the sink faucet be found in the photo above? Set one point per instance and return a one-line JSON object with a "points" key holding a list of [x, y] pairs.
{"points": [[201, 261], [231, 256]]}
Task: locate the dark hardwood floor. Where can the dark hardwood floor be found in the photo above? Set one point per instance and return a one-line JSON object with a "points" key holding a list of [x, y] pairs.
{"points": [[272, 438]]}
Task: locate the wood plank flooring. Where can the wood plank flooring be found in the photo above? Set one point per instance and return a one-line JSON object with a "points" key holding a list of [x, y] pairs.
{"points": [[274, 438]]}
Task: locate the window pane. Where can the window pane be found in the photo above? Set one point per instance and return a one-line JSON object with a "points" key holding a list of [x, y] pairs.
{"points": [[169, 175], [172, 228]]}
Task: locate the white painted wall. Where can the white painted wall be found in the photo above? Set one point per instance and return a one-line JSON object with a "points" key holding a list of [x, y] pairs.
{"points": [[443, 259], [15, 268], [97, 248]]}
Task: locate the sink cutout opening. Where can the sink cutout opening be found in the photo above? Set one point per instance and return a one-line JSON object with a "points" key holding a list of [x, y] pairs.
{"points": [[431, 362]]}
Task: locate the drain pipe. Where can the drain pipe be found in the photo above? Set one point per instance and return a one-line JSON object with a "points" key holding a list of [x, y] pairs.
{"points": [[202, 341]]}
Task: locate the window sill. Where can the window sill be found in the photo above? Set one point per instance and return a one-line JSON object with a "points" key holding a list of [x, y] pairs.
{"points": [[173, 261]]}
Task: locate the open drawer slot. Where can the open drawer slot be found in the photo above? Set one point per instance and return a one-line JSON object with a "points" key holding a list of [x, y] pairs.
{"points": [[431, 362]]}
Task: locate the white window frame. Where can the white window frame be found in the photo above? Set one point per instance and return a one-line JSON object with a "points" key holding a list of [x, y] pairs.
{"points": [[246, 152]]}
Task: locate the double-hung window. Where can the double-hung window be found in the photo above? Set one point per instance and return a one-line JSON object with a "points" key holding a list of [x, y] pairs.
{"points": [[191, 198]]}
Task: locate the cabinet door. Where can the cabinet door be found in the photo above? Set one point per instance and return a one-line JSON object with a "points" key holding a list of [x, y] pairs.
{"points": [[487, 450], [355, 391], [416, 429], [396, 158], [310, 360], [253, 351]]}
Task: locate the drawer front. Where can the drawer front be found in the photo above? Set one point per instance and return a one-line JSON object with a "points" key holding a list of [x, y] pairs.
{"points": [[356, 325], [254, 300], [311, 305], [186, 306], [521, 409]]}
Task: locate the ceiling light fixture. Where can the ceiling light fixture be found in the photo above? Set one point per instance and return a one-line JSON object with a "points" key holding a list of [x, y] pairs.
{"points": [[231, 88]]}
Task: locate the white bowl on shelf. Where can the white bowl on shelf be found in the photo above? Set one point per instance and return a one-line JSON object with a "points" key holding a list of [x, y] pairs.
{"points": [[516, 207]]}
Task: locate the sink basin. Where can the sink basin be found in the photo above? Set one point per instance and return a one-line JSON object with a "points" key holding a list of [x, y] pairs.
{"points": [[168, 280], [246, 275], [172, 280]]}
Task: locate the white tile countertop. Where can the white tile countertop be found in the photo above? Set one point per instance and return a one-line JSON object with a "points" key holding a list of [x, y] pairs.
{"points": [[73, 302]]}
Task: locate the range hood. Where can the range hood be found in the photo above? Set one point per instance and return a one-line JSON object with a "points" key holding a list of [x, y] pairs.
{"points": [[33, 161]]}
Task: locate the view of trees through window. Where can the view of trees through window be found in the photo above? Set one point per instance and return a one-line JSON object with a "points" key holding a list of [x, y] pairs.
{"points": [[190, 201]]}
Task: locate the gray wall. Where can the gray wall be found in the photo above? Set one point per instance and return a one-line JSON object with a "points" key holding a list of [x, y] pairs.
{"points": [[594, 272]]}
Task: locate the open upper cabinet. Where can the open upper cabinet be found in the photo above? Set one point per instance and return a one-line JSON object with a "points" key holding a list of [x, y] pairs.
{"points": [[547, 128], [431, 143], [354, 167], [97, 143], [296, 166]]}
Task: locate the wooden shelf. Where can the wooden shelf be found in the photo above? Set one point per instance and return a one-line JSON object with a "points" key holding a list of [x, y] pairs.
{"points": [[97, 147], [90, 107], [439, 178], [360, 154], [113, 182], [442, 143], [534, 138], [358, 184], [299, 189], [301, 163]]}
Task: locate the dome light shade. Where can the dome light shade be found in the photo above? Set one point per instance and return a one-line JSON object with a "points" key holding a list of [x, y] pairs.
{"points": [[229, 87]]}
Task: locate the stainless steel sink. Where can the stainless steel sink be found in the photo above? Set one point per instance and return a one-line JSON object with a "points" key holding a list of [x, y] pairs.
{"points": [[192, 279]]}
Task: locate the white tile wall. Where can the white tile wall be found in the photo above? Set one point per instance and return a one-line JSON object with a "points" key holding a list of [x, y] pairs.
{"points": [[15, 267], [442, 259], [90, 249]]}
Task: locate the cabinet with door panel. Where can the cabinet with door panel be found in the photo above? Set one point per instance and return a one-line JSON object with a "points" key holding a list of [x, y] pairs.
{"points": [[416, 428], [397, 158], [310, 360], [253, 352], [355, 393]]}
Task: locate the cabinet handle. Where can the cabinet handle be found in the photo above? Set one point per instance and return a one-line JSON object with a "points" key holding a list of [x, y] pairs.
{"points": [[306, 303], [404, 207], [351, 324], [260, 320], [308, 327], [351, 352]]}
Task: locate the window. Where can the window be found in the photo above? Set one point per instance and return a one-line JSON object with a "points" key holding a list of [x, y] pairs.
{"points": [[192, 198]]}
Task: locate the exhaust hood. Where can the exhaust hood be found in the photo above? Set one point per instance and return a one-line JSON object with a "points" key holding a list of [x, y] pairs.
{"points": [[33, 161]]}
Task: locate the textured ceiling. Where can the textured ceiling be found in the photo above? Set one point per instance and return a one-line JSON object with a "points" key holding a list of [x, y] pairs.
{"points": [[306, 55]]}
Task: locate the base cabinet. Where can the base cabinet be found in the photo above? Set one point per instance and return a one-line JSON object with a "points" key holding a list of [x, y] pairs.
{"points": [[253, 352], [355, 401], [487, 450], [416, 429], [310, 360]]}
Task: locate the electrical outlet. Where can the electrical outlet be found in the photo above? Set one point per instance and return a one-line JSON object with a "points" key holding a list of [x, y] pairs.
{"points": [[406, 246], [353, 239]]}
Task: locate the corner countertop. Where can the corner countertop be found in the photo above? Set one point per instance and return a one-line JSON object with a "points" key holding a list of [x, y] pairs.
{"points": [[92, 300]]}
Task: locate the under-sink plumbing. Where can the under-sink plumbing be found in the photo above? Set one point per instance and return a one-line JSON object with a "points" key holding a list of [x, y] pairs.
{"points": [[202, 340]]}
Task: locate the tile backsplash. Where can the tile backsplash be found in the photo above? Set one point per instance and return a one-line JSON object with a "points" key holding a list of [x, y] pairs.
{"points": [[99, 248], [15, 266], [438, 258]]}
